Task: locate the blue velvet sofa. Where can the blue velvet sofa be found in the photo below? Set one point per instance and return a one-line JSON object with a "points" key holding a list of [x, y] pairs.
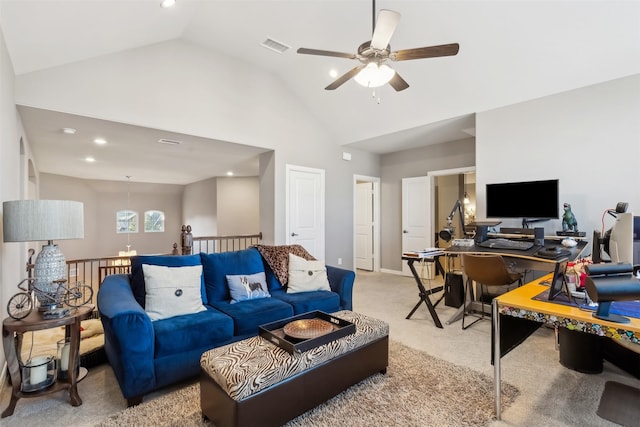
{"points": [[146, 355]]}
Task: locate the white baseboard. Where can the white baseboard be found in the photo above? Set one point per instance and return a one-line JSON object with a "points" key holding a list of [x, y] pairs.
{"points": [[396, 272]]}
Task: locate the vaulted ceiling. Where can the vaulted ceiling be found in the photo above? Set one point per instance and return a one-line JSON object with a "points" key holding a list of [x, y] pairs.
{"points": [[510, 51]]}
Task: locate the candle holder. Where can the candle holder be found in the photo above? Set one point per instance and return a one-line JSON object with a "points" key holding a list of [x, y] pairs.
{"points": [[38, 373], [64, 347]]}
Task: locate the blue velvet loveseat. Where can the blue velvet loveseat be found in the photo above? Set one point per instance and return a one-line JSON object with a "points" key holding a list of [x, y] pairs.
{"points": [[148, 354]]}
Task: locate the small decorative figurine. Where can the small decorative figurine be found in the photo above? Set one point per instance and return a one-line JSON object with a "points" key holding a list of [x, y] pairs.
{"points": [[569, 222]]}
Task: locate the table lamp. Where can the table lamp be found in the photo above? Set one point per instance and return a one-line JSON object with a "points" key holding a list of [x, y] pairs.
{"points": [[39, 220]]}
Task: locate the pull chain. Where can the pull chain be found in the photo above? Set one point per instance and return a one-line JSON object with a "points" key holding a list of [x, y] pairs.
{"points": [[373, 95]]}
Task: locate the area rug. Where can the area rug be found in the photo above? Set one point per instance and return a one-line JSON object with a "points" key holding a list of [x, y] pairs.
{"points": [[619, 403], [417, 390]]}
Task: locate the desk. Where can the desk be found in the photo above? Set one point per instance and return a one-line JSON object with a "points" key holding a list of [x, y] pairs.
{"points": [[423, 293], [524, 259], [519, 260], [12, 331], [516, 315]]}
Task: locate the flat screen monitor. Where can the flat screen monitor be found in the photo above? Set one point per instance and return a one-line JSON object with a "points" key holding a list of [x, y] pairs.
{"points": [[621, 239], [528, 199]]}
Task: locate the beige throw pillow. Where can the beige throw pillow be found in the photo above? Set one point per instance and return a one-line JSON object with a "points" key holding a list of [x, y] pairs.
{"points": [[305, 276], [172, 291]]}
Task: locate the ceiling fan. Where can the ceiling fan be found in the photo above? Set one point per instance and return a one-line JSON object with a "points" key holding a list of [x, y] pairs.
{"points": [[373, 70]]}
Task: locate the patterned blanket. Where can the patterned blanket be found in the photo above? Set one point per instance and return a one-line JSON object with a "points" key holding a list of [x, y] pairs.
{"points": [[277, 257]]}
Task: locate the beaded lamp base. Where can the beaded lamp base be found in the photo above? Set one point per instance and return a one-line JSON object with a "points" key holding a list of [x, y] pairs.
{"points": [[49, 267]]}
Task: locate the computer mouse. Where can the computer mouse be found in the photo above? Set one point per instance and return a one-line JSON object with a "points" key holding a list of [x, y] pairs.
{"points": [[569, 243], [552, 249]]}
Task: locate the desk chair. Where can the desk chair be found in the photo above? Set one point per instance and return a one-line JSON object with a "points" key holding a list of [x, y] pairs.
{"points": [[488, 270]]}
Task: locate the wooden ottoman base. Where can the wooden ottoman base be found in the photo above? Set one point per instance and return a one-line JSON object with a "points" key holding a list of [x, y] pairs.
{"points": [[294, 396]]}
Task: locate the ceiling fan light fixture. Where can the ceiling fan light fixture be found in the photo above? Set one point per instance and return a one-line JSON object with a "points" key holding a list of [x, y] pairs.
{"points": [[374, 75]]}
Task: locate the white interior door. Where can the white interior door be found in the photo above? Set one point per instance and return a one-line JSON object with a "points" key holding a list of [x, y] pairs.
{"points": [[364, 226], [416, 216], [305, 209]]}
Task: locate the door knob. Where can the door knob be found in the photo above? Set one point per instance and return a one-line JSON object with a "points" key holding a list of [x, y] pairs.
{"points": [[294, 234]]}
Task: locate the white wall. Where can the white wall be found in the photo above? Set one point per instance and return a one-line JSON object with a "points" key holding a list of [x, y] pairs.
{"points": [[222, 206], [219, 98], [589, 138], [200, 206], [12, 256], [238, 206], [57, 187], [406, 164], [102, 199]]}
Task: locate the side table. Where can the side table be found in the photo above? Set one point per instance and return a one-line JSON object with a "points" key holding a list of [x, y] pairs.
{"points": [[424, 294], [12, 331]]}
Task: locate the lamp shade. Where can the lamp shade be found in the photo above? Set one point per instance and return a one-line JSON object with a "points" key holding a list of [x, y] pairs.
{"points": [[37, 220], [374, 75]]}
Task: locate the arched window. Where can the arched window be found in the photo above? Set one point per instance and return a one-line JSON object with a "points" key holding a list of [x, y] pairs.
{"points": [[154, 221], [127, 221]]}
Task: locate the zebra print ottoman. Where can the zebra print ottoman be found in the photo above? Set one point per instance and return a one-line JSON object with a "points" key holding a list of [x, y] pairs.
{"points": [[255, 383]]}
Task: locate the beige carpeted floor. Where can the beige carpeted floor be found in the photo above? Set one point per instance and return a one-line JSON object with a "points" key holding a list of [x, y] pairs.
{"points": [[417, 390], [549, 394]]}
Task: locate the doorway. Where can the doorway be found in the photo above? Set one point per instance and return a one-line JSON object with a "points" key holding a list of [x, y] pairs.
{"points": [[448, 187], [366, 223]]}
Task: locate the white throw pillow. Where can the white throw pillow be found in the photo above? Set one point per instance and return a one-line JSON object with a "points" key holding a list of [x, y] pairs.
{"points": [[172, 291], [305, 276]]}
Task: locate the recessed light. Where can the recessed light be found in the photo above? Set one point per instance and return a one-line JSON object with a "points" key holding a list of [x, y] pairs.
{"points": [[100, 141], [69, 131], [229, 173], [169, 141], [333, 73], [89, 159], [167, 3]]}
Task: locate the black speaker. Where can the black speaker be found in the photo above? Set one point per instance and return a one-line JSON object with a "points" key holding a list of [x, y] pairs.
{"points": [[481, 233], [453, 290], [538, 236]]}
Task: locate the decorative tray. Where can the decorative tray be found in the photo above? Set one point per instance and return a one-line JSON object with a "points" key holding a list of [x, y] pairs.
{"points": [[301, 333]]}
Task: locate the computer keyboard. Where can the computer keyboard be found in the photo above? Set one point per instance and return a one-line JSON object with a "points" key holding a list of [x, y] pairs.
{"points": [[500, 243]]}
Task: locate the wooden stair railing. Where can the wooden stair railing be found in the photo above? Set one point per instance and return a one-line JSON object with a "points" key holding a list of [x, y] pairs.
{"points": [[92, 271]]}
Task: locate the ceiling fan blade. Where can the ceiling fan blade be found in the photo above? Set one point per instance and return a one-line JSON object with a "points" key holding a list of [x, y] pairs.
{"points": [[398, 83], [326, 53], [425, 52], [385, 26], [343, 78]]}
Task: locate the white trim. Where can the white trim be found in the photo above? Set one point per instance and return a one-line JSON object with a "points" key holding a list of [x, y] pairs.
{"points": [[376, 214], [396, 272], [455, 171]]}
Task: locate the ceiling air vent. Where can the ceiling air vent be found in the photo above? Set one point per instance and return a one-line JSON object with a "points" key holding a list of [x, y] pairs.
{"points": [[275, 46], [169, 142]]}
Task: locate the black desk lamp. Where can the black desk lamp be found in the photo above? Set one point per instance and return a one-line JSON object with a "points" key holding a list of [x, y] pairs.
{"points": [[449, 230], [606, 283]]}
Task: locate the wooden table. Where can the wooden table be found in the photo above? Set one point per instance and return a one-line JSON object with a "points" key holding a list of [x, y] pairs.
{"points": [[12, 331], [516, 315]]}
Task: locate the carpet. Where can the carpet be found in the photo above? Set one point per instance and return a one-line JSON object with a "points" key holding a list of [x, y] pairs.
{"points": [[619, 403], [417, 390]]}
